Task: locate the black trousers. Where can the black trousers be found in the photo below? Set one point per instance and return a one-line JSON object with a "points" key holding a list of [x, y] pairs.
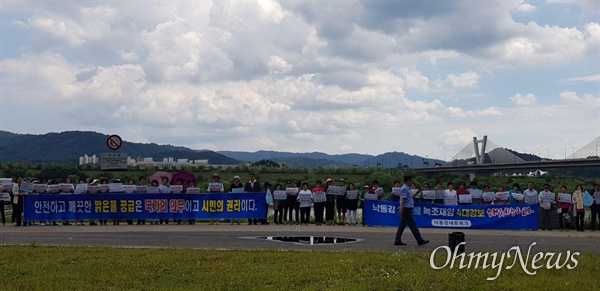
{"points": [[330, 210], [319, 208], [579, 220], [304, 214], [408, 219], [278, 213], [595, 214], [561, 221], [17, 215], [2, 211]]}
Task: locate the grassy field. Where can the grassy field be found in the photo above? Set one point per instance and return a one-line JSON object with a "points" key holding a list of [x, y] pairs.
{"points": [[95, 268]]}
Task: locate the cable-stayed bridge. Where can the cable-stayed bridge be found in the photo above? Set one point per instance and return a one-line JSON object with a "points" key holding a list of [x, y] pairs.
{"points": [[486, 156]]}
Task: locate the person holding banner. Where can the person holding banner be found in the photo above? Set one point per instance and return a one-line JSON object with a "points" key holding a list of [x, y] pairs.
{"points": [[450, 197], [375, 189], [406, 212], [438, 186], [579, 207], [305, 199], [595, 192], [237, 184], [530, 195], [564, 205], [340, 203], [290, 202], [461, 191], [502, 197], [330, 204], [546, 199], [351, 203], [319, 202], [515, 194], [363, 197], [141, 182], [252, 186], [476, 197], [216, 186], [395, 191], [278, 206], [17, 215]]}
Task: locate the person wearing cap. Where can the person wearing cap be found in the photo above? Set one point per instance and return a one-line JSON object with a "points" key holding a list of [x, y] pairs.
{"points": [[340, 203], [366, 189], [217, 187], [595, 207], [406, 212], [237, 184], [330, 204], [546, 208], [252, 186]]}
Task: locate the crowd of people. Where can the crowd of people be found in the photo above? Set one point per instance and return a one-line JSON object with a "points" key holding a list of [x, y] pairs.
{"points": [[339, 207]]}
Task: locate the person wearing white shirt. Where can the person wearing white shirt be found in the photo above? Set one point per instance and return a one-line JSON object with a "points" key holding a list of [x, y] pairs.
{"points": [[304, 204], [450, 193], [546, 207], [530, 195], [17, 202]]}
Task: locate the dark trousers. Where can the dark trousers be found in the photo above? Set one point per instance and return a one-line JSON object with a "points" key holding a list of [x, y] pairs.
{"points": [[304, 214], [561, 220], [330, 211], [2, 211], [579, 220], [278, 214], [546, 214], [17, 215], [296, 208], [408, 219], [595, 214], [319, 208]]}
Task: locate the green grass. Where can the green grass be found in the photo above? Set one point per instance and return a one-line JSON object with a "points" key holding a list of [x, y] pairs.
{"points": [[100, 268]]}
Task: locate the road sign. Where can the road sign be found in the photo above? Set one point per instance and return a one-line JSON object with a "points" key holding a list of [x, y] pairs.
{"points": [[114, 142], [113, 161]]}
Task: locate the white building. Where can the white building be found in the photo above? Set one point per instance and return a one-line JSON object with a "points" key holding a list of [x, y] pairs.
{"points": [[88, 160]]}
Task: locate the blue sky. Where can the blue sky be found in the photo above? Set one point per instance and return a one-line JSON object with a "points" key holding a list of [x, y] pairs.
{"points": [[422, 77]]}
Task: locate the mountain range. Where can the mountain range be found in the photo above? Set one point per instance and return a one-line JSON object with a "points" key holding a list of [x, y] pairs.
{"points": [[67, 147]]}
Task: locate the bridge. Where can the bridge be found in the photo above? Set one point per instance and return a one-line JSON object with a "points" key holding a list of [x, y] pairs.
{"points": [[472, 159]]}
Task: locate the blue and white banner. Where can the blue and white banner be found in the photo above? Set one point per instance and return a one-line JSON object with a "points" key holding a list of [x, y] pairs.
{"points": [[144, 206], [430, 215]]}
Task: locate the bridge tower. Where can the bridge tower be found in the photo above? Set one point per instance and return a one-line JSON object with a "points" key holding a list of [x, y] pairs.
{"points": [[479, 155]]}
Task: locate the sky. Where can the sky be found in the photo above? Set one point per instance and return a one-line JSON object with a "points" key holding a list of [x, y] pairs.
{"points": [[421, 77]]}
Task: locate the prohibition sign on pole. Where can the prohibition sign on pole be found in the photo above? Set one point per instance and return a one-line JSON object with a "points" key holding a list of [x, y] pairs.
{"points": [[114, 142]]}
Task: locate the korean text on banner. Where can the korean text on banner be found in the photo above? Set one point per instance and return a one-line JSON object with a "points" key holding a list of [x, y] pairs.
{"points": [[428, 215], [144, 206]]}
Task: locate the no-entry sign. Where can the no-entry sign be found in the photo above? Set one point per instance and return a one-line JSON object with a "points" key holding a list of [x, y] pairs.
{"points": [[114, 142]]}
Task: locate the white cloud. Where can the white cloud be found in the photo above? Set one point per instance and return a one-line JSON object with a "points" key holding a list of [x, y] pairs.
{"points": [[278, 65], [465, 80], [589, 78], [457, 137], [487, 112], [526, 7], [525, 100]]}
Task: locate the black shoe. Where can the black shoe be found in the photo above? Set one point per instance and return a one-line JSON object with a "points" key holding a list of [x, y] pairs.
{"points": [[396, 243], [423, 242]]}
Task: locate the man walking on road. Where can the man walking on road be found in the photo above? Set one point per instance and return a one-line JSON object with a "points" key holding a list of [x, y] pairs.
{"points": [[406, 212]]}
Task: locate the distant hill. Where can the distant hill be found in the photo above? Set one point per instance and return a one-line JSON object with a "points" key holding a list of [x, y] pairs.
{"points": [[318, 159], [67, 147]]}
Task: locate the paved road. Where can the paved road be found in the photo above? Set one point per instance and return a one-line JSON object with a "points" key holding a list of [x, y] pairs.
{"points": [[225, 236]]}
